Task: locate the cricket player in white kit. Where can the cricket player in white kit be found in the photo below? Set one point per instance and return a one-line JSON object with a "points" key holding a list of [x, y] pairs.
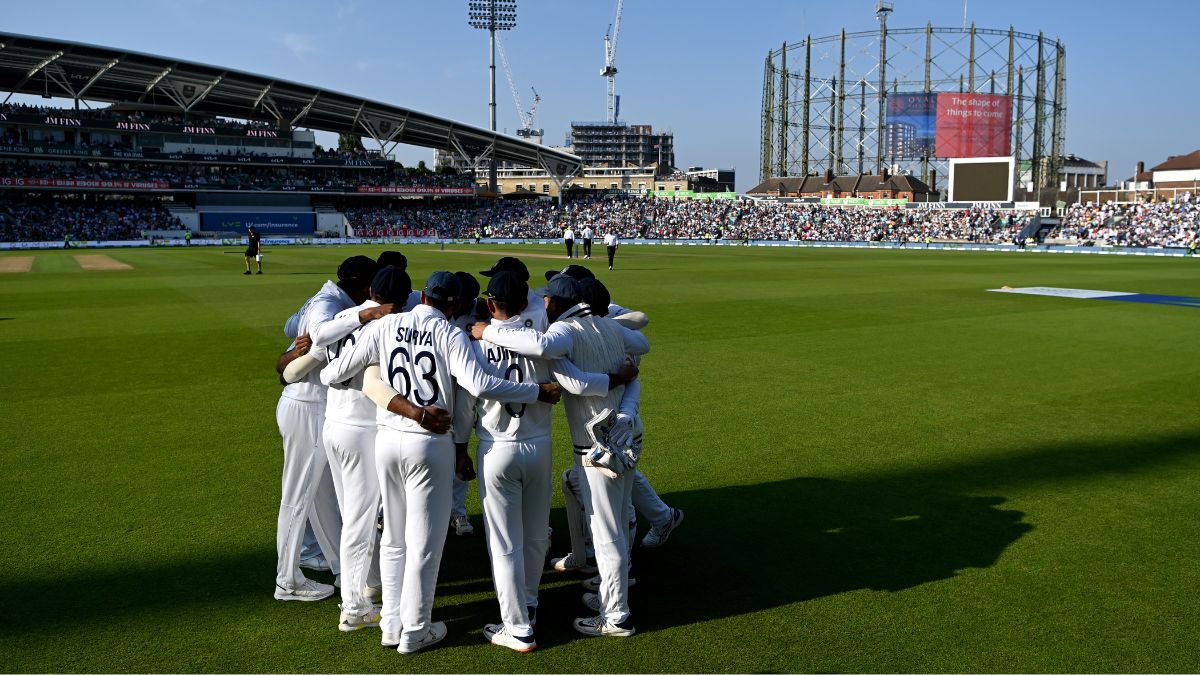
{"points": [[349, 437], [663, 518], [594, 344], [308, 492], [464, 316], [422, 357], [515, 463]]}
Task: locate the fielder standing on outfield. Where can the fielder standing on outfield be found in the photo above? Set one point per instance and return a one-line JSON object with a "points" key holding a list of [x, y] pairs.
{"points": [[422, 357], [253, 249], [611, 243]]}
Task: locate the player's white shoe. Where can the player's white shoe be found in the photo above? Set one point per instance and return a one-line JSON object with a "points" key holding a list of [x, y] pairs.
{"points": [[657, 536], [462, 526], [568, 563], [316, 563], [593, 583], [309, 591], [435, 634], [373, 594], [597, 626], [497, 634], [352, 621]]}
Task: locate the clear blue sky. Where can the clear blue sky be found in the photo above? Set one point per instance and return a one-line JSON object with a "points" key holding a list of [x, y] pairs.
{"points": [[694, 68]]}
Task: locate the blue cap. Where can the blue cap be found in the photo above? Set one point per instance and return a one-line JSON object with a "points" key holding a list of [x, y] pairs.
{"points": [[564, 287], [595, 294], [577, 272], [510, 264], [395, 258], [443, 286], [508, 287], [470, 285], [359, 269], [391, 284]]}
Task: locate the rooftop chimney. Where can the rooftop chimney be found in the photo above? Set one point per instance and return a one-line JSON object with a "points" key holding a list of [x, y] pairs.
{"points": [[828, 175]]}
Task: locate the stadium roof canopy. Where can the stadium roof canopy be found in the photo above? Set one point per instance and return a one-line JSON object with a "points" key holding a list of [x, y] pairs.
{"points": [[57, 68]]}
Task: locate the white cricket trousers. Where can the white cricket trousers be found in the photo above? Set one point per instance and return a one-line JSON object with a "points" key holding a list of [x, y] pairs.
{"points": [[515, 485], [459, 507], [609, 507], [308, 492], [415, 472], [351, 453], [648, 503]]}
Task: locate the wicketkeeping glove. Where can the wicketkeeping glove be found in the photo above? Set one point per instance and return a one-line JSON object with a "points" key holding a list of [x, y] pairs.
{"points": [[621, 434]]}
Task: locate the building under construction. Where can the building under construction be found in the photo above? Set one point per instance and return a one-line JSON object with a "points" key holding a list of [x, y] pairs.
{"points": [[908, 100], [620, 145]]}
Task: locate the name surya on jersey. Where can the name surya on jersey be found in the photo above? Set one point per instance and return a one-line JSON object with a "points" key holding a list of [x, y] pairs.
{"points": [[419, 338]]}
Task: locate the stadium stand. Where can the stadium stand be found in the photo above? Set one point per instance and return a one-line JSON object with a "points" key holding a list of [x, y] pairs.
{"points": [[1168, 223], [651, 218]]}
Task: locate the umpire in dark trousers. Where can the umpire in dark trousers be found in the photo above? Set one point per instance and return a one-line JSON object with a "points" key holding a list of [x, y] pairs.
{"points": [[587, 241]]}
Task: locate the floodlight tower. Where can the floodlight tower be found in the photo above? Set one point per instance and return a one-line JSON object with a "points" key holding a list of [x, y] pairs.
{"points": [[492, 15], [882, 10]]}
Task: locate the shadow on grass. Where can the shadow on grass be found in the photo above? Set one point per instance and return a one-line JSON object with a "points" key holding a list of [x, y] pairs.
{"points": [[741, 549]]}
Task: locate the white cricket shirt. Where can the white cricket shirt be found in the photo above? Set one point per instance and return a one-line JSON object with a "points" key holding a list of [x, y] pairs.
{"points": [[422, 357]]}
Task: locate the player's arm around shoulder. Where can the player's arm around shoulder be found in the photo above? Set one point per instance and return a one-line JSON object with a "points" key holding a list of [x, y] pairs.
{"points": [[468, 369], [554, 343], [357, 356], [575, 381], [636, 343]]}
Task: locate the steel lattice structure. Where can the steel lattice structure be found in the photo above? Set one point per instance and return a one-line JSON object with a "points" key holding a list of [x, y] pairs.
{"points": [[825, 99]]}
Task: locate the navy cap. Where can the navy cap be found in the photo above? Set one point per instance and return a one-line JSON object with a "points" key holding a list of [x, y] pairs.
{"points": [[510, 264], [359, 269], [563, 286], [443, 286], [508, 287], [470, 285], [594, 293], [394, 258], [391, 284], [576, 272]]}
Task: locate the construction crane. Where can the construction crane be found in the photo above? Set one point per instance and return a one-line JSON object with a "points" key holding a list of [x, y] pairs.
{"points": [[528, 119], [610, 63]]}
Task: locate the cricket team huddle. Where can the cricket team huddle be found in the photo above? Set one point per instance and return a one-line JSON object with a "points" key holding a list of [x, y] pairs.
{"points": [[384, 384]]}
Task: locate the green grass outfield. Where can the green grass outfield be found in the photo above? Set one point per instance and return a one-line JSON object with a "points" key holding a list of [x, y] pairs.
{"points": [[884, 468]]}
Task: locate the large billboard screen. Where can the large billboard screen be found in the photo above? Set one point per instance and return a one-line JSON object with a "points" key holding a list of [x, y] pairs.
{"points": [[973, 125], [983, 179], [911, 125], [266, 223], [948, 125]]}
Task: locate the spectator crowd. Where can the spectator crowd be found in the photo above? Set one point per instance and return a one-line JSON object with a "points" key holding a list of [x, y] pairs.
{"points": [[651, 218], [1174, 222], [50, 218], [217, 176]]}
